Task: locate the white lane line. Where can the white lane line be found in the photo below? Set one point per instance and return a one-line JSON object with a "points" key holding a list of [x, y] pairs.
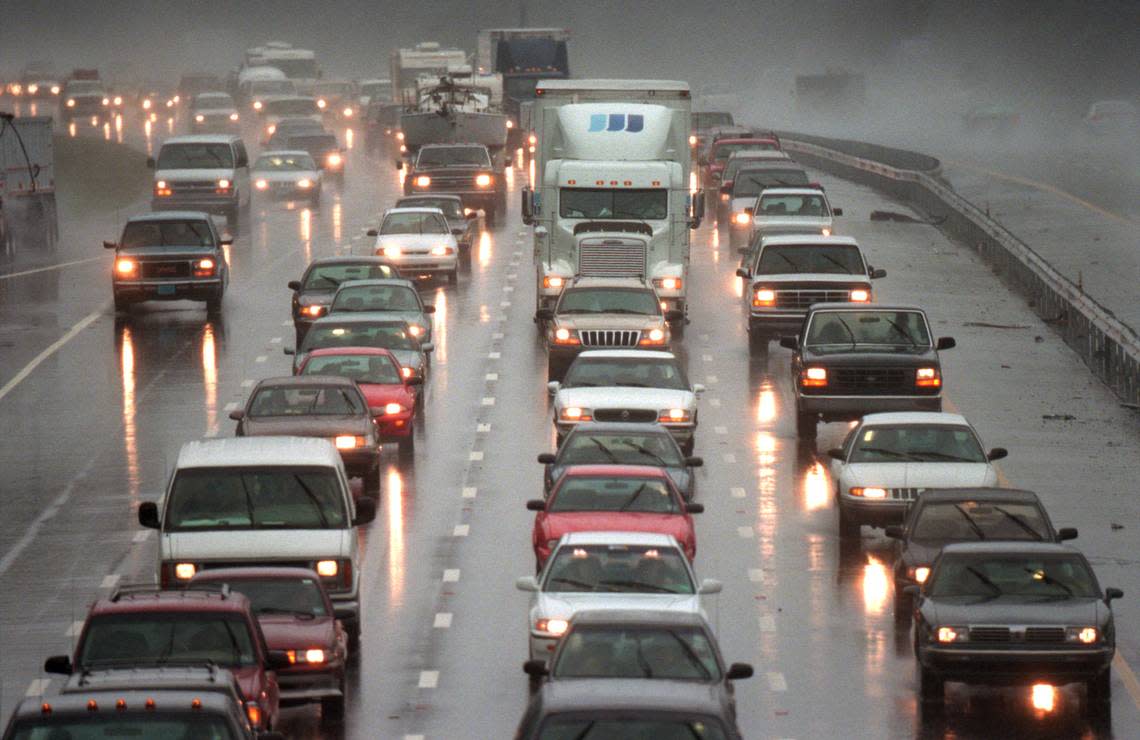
{"points": [[755, 575], [482, 428], [261, 358], [491, 376], [712, 379], [522, 233], [475, 455], [714, 402], [488, 400], [729, 457], [508, 288], [442, 620], [707, 358], [275, 340], [247, 383], [737, 492], [451, 575], [110, 581], [497, 335], [767, 623], [777, 682], [429, 679], [61, 265], [493, 355], [232, 406], [504, 304], [720, 430], [461, 530], [413, 737], [75, 628], [286, 323], [37, 687], [704, 337], [142, 536], [745, 532], [470, 492], [52, 349]]}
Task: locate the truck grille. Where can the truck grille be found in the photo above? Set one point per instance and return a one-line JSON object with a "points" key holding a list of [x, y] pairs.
{"points": [[807, 298], [989, 634], [157, 269], [608, 338], [450, 183], [904, 494], [192, 187], [641, 416], [872, 381], [611, 257], [1044, 634]]}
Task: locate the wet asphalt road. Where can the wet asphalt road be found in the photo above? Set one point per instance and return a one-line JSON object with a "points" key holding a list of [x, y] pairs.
{"points": [[95, 427]]}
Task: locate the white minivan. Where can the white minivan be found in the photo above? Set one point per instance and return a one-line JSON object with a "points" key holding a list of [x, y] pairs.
{"points": [[201, 172], [274, 501]]}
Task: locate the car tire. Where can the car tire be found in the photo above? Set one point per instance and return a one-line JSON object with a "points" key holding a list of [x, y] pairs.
{"points": [[214, 304], [903, 605], [805, 425], [353, 629], [453, 277], [122, 305], [931, 687], [315, 201], [372, 482], [1098, 690], [677, 330], [406, 448], [232, 215], [554, 370], [332, 707], [849, 528]]}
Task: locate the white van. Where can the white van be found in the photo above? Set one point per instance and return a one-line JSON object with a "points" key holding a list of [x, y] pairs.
{"points": [[275, 501], [201, 172]]}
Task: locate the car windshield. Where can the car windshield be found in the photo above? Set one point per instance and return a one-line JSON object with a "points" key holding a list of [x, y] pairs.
{"points": [[724, 151], [195, 157], [332, 89], [213, 101], [780, 259], [583, 493], [375, 298], [436, 156], [868, 327], [917, 443], [594, 448], [416, 222], [291, 107], [297, 69], [285, 163], [167, 723], [648, 727], [272, 498], [609, 300], [966, 521], [618, 568], [299, 596], [452, 209], [632, 372], [378, 369], [270, 400], [162, 637], [990, 576], [679, 653], [385, 336], [642, 204], [328, 277], [167, 234], [781, 206], [749, 183]]}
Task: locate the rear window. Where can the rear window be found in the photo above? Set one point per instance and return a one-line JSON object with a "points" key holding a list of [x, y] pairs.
{"points": [[328, 277], [792, 205], [158, 637], [649, 495], [273, 498], [665, 727], [376, 298], [377, 369], [167, 234], [274, 401], [164, 723], [749, 183]]}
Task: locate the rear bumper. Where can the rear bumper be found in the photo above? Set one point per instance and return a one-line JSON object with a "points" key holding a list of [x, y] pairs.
{"points": [[168, 290], [850, 408], [1017, 666], [394, 429], [302, 686]]}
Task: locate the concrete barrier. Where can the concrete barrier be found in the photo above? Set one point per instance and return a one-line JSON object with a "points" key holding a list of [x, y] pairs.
{"points": [[1110, 348]]}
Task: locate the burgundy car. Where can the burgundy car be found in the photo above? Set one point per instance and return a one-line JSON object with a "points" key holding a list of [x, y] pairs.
{"points": [[297, 618], [145, 626]]}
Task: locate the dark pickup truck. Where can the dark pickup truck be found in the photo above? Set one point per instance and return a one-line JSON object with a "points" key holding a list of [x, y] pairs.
{"points": [[854, 359], [466, 170]]}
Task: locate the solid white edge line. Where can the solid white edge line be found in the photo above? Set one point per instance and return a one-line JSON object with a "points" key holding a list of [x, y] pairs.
{"points": [[59, 266], [51, 349]]}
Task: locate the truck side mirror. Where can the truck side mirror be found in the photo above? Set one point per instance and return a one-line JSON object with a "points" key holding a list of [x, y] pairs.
{"points": [[1112, 593], [698, 210], [148, 514], [150, 162], [535, 668], [1066, 533], [429, 308], [399, 164], [237, 414], [60, 664], [294, 285], [946, 343], [544, 314], [997, 453], [110, 245], [372, 232], [876, 274], [836, 454], [536, 505], [836, 211], [895, 532], [789, 342], [546, 458], [742, 273], [527, 203]]}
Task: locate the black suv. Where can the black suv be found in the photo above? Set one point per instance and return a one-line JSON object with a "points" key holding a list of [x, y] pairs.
{"points": [[467, 170], [170, 256]]}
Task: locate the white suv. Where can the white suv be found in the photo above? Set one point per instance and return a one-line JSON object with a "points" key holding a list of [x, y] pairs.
{"points": [[202, 172], [278, 501]]}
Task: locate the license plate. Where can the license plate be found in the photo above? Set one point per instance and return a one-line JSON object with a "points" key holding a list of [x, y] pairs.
{"points": [[166, 290]]}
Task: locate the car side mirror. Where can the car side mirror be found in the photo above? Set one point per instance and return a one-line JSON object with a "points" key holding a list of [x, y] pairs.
{"points": [[790, 342], [1066, 533], [743, 273], [428, 308], [365, 511], [226, 241], [277, 660], [536, 505], [399, 164], [536, 668], [237, 414], [294, 285], [288, 350], [895, 532], [110, 245], [1111, 594], [946, 343], [710, 586], [544, 314], [60, 664], [694, 508], [526, 583], [150, 162], [552, 387], [148, 515], [457, 232], [694, 462], [526, 205], [372, 232], [836, 453], [699, 388], [875, 274], [739, 671], [546, 458], [997, 453], [836, 211], [414, 380], [674, 315], [427, 347]]}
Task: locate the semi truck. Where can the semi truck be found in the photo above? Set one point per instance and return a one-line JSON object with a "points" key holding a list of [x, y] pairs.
{"points": [[610, 192], [27, 182]]}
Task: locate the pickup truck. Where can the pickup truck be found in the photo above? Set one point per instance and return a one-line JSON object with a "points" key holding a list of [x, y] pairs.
{"points": [[466, 170]]}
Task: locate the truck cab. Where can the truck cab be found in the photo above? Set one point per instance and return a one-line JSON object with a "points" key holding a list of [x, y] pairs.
{"points": [[466, 170]]}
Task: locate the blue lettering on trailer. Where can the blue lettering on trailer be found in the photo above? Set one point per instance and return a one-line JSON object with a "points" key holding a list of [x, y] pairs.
{"points": [[631, 123]]}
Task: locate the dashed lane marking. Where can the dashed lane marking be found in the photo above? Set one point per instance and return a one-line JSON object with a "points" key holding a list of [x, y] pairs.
{"points": [[504, 304], [508, 288], [248, 382], [142, 536], [59, 266], [720, 430], [711, 379], [714, 402], [110, 581], [475, 455], [286, 323], [261, 358], [451, 575], [442, 621], [461, 530], [75, 628], [729, 457], [497, 335], [488, 400], [275, 340], [470, 492], [37, 687], [413, 737], [755, 575], [493, 355], [777, 682], [429, 679], [482, 428], [745, 532], [737, 492], [491, 376], [707, 358], [767, 623]]}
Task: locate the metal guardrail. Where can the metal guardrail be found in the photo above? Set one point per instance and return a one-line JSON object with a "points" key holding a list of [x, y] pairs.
{"points": [[1109, 347]]}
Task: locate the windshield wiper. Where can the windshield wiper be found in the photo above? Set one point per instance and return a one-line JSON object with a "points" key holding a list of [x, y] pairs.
{"points": [[585, 730], [984, 579], [291, 612], [1041, 575], [944, 456], [636, 495], [572, 582], [902, 332], [605, 450], [626, 310], [644, 451], [639, 584], [837, 263], [313, 500], [646, 671], [973, 525], [885, 451], [1019, 522], [692, 655], [631, 384]]}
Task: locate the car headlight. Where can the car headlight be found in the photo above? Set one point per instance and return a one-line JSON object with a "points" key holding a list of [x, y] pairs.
{"points": [[261, 184], [422, 181], [927, 377], [233, 116], [199, 118], [868, 492], [763, 297], [271, 129], [146, 104], [406, 372], [71, 102], [347, 112], [575, 414], [1085, 635], [33, 89], [327, 568], [313, 311], [655, 336], [118, 100], [825, 231], [674, 416], [562, 335], [950, 634], [859, 295], [348, 441], [393, 408], [204, 268], [184, 571], [741, 219], [440, 251], [126, 267], [304, 183], [223, 184], [392, 251], [162, 188], [553, 281], [556, 627], [55, 89], [921, 573], [334, 160], [322, 104], [813, 377], [415, 330], [257, 105], [482, 180], [106, 101], [310, 655]]}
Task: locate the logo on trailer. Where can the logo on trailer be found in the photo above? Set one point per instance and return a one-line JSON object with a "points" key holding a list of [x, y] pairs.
{"points": [[631, 123]]}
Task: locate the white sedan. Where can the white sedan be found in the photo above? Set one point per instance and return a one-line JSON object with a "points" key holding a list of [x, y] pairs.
{"points": [[888, 459], [418, 241], [609, 570], [287, 174]]}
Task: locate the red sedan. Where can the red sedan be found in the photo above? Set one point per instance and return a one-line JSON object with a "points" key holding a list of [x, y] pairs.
{"points": [[612, 498], [390, 395]]}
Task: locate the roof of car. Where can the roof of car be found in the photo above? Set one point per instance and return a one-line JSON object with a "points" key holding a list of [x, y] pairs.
{"points": [[258, 451], [864, 307], [413, 209], [979, 494], [1009, 548], [169, 677], [366, 282], [203, 139], [649, 354], [638, 617], [440, 196], [807, 239], [682, 697], [283, 153], [135, 700], [915, 417], [798, 190], [647, 539], [360, 259], [744, 140], [360, 317], [301, 381], [171, 216], [614, 471], [334, 351], [452, 145], [760, 155], [607, 282], [170, 600], [617, 427]]}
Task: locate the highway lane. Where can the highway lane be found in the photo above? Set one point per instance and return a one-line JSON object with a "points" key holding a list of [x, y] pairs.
{"points": [[445, 631]]}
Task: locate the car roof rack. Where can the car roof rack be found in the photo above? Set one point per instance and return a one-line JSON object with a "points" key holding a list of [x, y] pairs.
{"points": [[85, 674], [131, 589]]}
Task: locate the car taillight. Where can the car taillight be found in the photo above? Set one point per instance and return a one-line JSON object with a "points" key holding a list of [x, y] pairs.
{"points": [[927, 377], [162, 189], [813, 377]]}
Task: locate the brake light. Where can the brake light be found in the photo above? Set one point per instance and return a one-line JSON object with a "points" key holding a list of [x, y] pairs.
{"points": [[927, 377], [813, 377], [162, 189], [668, 283]]}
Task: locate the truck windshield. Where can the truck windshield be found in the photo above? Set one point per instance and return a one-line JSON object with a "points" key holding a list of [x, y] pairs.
{"points": [[295, 69], [291, 107], [167, 234], [609, 300], [159, 637], [601, 203], [783, 259], [892, 328], [266, 498], [195, 157], [166, 723], [272, 87], [749, 183], [438, 156]]}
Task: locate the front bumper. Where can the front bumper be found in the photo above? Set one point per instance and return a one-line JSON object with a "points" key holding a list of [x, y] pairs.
{"points": [[775, 322], [850, 408], [542, 647], [168, 290], [299, 686], [360, 461], [418, 263], [207, 203], [1015, 666], [874, 512], [288, 191]]}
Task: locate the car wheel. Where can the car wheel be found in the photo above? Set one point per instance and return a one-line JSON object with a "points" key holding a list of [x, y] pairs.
{"points": [[805, 425], [453, 277], [332, 707], [122, 305], [232, 216], [903, 605], [1098, 690], [931, 687], [687, 447], [214, 304], [372, 482], [353, 629], [407, 446], [554, 370], [491, 216], [848, 527], [757, 343]]}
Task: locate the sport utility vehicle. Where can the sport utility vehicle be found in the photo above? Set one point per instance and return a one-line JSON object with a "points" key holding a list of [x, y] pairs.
{"points": [[466, 170], [146, 626], [205, 172]]}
